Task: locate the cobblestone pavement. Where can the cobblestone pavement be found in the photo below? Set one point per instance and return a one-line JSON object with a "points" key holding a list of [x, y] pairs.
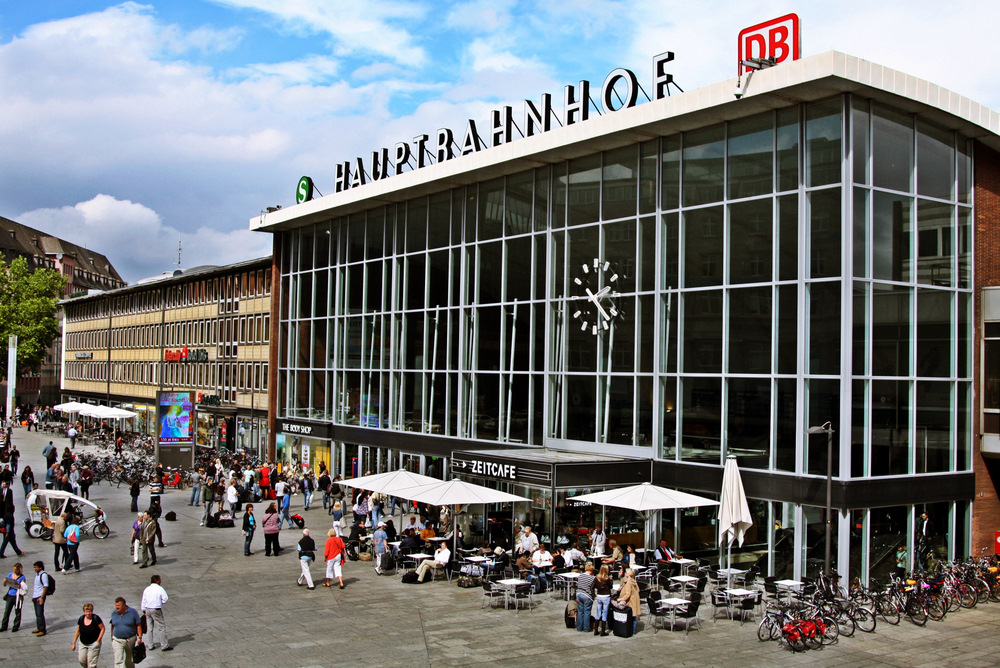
{"points": [[226, 609]]}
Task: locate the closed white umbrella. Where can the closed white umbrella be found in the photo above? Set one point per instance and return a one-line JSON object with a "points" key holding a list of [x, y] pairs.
{"points": [[734, 511], [645, 498]]}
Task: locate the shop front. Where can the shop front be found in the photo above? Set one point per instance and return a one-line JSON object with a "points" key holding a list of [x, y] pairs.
{"points": [[549, 479], [305, 443]]}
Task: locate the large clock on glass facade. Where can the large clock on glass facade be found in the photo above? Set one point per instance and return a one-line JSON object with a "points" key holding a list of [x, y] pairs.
{"points": [[597, 290]]}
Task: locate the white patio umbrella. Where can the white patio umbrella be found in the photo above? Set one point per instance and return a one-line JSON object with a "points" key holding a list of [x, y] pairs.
{"points": [[645, 498], [389, 482], [734, 512], [70, 407], [118, 413], [455, 493]]}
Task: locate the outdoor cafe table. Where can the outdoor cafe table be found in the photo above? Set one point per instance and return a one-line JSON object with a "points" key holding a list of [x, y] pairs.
{"points": [[508, 586], [735, 596], [571, 578], [789, 586], [684, 580], [730, 573], [417, 558], [673, 604], [684, 563]]}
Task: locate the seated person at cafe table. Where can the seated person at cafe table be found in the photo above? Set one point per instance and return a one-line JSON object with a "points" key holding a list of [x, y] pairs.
{"points": [[558, 559], [428, 532], [541, 560], [523, 563], [440, 560], [358, 534], [615, 553], [414, 525], [574, 556], [664, 554], [410, 542]]}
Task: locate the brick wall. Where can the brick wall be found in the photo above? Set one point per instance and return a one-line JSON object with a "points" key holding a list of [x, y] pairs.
{"points": [[986, 505]]}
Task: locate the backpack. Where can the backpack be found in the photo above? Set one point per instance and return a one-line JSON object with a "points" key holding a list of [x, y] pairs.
{"points": [[50, 588]]}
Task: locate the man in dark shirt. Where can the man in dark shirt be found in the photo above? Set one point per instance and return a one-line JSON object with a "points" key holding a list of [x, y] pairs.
{"points": [[126, 632]]}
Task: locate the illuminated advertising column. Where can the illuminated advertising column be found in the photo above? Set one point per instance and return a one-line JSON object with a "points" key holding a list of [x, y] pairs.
{"points": [[176, 422]]}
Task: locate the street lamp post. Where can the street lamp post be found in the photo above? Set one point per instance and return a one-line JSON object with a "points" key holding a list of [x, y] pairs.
{"points": [[827, 428]]}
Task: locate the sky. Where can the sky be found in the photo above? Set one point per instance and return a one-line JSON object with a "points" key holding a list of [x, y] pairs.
{"points": [[128, 127]]}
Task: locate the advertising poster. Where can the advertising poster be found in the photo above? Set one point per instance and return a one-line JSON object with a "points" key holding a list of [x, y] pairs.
{"points": [[176, 418]]}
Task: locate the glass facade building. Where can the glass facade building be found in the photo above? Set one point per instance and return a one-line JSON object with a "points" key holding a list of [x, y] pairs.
{"points": [[714, 289]]}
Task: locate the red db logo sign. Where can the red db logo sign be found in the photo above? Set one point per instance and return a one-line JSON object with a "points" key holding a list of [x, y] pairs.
{"points": [[778, 38]]}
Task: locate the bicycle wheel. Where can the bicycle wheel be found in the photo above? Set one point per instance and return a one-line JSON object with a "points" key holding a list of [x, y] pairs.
{"points": [[888, 611], [936, 608], [915, 611], [865, 619], [846, 622], [766, 630], [832, 631], [101, 531], [995, 591], [954, 602], [813, 641], [967, 596]]}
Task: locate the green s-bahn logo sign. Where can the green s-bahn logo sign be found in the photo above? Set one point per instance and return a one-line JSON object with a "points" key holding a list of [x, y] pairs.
{"points": [[304, 191]]}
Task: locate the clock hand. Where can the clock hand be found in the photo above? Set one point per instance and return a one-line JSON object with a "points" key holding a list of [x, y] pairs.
{"points": [[595, 298]]}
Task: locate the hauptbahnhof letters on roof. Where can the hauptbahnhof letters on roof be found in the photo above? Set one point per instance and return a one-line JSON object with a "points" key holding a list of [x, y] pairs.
{"points": [[633, 295]]}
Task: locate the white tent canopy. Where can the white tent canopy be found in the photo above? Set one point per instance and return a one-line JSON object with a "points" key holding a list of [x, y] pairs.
{"points": [[390, 482]]}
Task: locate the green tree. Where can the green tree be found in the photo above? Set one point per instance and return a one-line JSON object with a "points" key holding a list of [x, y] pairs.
{"points": [[28, 305]]}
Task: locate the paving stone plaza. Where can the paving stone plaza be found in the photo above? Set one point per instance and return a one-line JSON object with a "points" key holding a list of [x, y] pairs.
{"points": [[226, 609]]}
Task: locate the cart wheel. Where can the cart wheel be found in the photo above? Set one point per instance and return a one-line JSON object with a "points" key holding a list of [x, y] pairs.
{"points": [[35, 529], [46, 533], [101, 531]]}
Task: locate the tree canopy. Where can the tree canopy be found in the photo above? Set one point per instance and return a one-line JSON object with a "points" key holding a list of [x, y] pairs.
{"points": [[28, 305]]}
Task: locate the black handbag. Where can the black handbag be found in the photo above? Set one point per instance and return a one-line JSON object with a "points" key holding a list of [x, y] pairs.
{"points": [[138, 653]]}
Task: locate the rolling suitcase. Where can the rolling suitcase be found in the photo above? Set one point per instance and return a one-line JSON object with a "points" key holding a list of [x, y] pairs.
{"points": [[299, 521]]}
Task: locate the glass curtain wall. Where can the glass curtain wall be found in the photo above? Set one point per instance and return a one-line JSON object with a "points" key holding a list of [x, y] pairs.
{"points": [[711, 292]]}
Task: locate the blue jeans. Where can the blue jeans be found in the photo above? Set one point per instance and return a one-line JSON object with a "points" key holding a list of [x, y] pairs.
{"points": [[195, 495], [308, 499], [603, 603], [246, 543], [584, 604], [39, 615]]}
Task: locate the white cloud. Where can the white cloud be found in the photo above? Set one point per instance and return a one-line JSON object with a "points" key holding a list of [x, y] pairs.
{"points": [[356, 27], [137, 242], [479, 16]]}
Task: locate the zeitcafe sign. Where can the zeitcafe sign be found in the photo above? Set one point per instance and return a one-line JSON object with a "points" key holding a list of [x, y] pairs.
{"points": [[620, 90]]}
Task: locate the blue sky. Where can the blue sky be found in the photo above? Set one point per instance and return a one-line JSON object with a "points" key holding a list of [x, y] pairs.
{"points": [[126, 126]]}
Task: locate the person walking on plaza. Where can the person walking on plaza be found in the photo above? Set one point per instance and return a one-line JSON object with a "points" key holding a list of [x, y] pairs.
{"points": [[286, 502], [136, 538], [333, 553], [38, 593], [207, 496], [195, 480], [59, 541], [249, 526], [27, 480], [307, 555], [126, 633], [584, 598], [272, 526], [379, 545], [15, 457], [10, 535], [15, 587], [134, 491], [148, 538], [72, 535], [50, 452], [153, 599], [89, 632]]}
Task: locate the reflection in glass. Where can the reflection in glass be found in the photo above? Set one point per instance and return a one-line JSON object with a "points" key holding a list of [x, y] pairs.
{"points": [[703, 332], [824, 233], [933, 435], [748, 423], [704, 165], [619, 185], [892, 150], [750, 330], [935, 162], [934, 331], [890, 428], [892, 237], [824, 328], [702, 420], [824, 133], [890, 330], [750, 156], [750, 241], [703, 246]]}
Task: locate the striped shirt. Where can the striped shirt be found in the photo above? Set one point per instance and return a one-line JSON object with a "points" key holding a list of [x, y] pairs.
{"points": [[585, 584]]}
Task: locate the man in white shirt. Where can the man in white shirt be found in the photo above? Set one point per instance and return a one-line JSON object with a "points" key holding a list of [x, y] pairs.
{"points": [[416, 526], [541, 559], [440, 560], [153, 598], [279, 488], [597, 541], [574, 555], [663, 554], [529, 542]]}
